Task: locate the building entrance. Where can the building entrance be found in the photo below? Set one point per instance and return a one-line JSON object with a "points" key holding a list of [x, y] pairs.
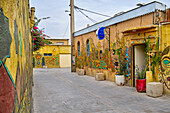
{"points": [[139, 59]]}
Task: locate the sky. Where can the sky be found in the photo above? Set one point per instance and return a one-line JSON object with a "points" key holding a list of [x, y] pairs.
{"points": [[58, 25]]}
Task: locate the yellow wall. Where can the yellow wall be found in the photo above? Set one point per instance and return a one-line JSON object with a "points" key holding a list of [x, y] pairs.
{"points": [[130, 32], [116, 30], [54, 41], [104, 60], [165, 59], [54, 60], [15, 62], [132, 39], [162, 71]]}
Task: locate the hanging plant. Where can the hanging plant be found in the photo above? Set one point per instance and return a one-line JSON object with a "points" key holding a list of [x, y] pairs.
{"points": [[38, 37]]}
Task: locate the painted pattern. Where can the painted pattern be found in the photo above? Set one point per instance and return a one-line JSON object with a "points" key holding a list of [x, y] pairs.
{"points": [[164, 76], [49, 61], [5, 36], [15, 57], [100, 57], [49, 55], [54, 60]]}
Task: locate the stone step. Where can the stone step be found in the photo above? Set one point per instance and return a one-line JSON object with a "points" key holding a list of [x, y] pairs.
{"points": [[154, 89]]}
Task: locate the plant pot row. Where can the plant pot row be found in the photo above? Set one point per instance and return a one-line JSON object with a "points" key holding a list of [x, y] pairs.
{"points": [[140, 83]]}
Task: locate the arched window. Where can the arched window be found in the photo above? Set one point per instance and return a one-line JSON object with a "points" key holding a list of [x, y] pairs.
{"points": [[88, 48], [78, 48], [43, 61]]}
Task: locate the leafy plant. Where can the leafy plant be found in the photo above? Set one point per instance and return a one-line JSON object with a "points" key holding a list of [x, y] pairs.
{"points": [[140, 73], [156, 58], [38, 37], [122, 66]]}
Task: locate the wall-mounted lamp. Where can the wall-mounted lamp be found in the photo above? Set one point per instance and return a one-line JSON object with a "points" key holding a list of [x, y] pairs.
{"points": [[54, 49]]}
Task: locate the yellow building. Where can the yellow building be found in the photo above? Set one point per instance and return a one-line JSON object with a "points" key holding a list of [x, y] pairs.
{"points": [[57, 41], [16, 70], [131, 31], [157, 36], [55, 55]]}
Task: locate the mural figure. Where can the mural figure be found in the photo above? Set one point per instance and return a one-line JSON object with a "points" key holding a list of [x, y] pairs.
{"points": [[7, 86], [165, 67]]}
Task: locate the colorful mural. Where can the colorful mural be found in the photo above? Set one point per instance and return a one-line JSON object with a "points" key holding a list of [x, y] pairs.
{"points": [[54, 60], [15, 57], [165, 67], [49, 56], [101, 58]]}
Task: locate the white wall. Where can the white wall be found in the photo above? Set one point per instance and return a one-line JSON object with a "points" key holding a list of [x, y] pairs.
{"points": [[140, 56]]}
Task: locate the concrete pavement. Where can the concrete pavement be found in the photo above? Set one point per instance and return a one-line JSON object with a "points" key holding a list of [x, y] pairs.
{"points": [[60, 91]]}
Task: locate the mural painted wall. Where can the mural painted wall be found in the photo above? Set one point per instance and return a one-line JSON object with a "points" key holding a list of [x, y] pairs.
{"points": [[164, 69], [157, 43], [49, 56], [15, 57], [100, 57], [96, 57]]}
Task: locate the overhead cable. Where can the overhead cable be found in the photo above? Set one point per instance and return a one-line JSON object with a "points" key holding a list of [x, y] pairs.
{"points": [[87, 16], [66, 30], [91, 11]]}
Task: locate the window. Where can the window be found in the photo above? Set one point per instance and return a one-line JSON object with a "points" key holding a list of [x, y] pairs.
{"points": [[78, 48], [88, 48], [60, 43], [48, 54]]}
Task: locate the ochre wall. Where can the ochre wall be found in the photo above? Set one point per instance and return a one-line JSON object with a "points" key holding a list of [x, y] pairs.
{"points": [[117, 29], [96, 45], [50, 61], [164, 76], [131, 32], [15, 57], [140, 36], [54, 41]]}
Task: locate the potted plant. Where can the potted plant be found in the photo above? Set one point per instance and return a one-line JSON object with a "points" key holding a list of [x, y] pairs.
{"points": [[141, 79], [120, 71]]}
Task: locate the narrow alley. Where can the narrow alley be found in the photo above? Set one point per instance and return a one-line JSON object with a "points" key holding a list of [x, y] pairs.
{"points": [[60, 91]]}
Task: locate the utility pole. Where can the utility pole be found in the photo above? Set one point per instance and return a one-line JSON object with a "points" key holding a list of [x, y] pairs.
{"points": [[73, 67]]}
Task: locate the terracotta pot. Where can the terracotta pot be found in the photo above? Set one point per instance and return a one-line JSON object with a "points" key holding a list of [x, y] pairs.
{"points": [[141, 85]]}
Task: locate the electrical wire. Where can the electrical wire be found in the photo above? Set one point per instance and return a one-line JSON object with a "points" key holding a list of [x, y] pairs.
{"points": [[91, 11], [66, 30], [87, 16]]}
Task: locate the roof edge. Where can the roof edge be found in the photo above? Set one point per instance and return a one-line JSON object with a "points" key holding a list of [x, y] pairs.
{"points": [[114, 20]]}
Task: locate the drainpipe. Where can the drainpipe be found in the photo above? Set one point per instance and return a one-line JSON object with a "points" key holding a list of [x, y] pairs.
{"points": [[159, 35]]}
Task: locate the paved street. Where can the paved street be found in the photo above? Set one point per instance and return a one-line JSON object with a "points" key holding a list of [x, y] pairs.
{"points": [[59, 91]]}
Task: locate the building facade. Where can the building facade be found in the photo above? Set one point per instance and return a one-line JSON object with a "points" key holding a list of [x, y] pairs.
{"points": [[133, 32], [55, 55], [16, 72]]}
